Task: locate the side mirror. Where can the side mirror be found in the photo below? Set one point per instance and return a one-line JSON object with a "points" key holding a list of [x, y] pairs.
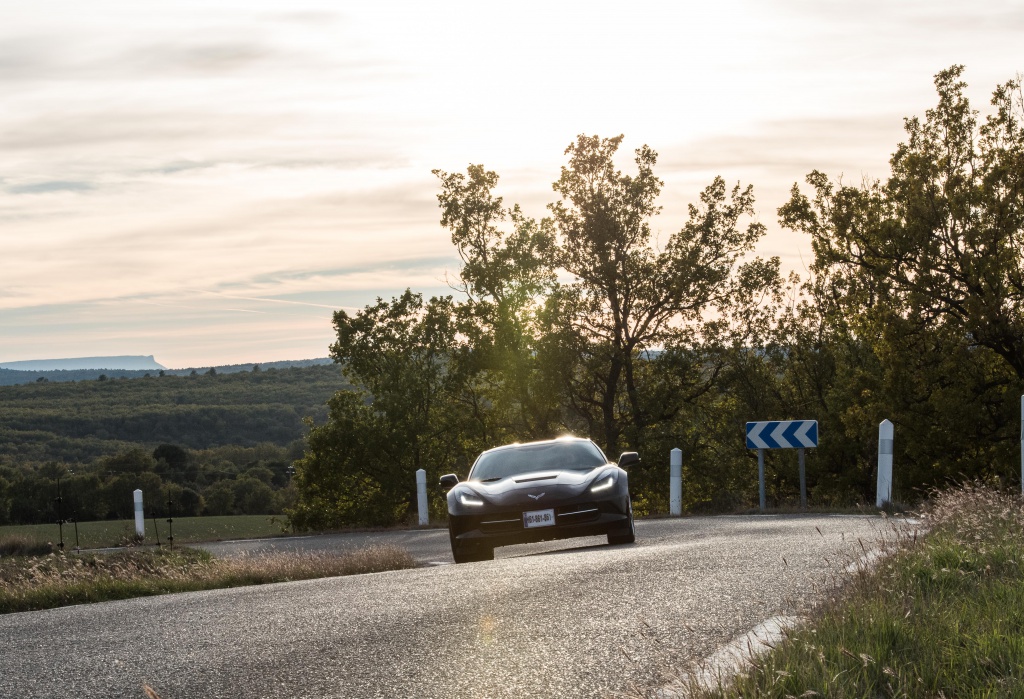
{"points": [[628, 458], [449, 481]]}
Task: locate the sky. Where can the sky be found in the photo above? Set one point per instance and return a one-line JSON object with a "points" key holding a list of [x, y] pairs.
{"points": [[207, 182]]}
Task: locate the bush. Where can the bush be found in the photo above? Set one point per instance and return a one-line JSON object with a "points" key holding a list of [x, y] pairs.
{"points": [[20, 545]]}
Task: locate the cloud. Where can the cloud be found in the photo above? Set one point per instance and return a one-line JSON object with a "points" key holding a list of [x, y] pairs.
{"points": [[80, 127], [51, 186], [899, 17], [793, 147], [317, 18], [65, 59], [176, 166], [199, 57], [24, 59]]}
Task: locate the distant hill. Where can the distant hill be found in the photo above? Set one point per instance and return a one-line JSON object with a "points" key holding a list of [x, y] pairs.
{"points": [[78, 422], [10, 376], [137, 362]]}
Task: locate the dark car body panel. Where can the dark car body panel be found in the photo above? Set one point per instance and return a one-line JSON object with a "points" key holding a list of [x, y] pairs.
{"points": [[580, 516], [498, 518]]}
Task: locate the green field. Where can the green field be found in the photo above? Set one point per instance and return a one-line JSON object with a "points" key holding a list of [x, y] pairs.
{"points": [[186, 530]]}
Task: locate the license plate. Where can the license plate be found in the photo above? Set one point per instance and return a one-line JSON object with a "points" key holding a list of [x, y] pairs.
{"points": [[539, 518]]}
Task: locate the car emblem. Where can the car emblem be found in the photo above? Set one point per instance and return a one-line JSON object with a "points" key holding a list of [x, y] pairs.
{"points": [[536, 497]]}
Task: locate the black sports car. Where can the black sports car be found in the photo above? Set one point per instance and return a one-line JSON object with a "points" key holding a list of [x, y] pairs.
{"points": [[522, 493]]}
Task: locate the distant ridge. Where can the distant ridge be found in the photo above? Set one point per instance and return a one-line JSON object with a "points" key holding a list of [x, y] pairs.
{"points": [[129, 362], [13, 377]]}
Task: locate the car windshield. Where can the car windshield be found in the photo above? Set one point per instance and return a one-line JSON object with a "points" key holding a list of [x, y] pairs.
{"points": [[512, 461]]}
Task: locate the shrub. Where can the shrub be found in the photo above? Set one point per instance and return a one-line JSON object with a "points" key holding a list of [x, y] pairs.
{"points": [[20, 545]]}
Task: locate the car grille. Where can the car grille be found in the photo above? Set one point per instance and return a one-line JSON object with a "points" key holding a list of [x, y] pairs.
{"points": [[513, 521]]}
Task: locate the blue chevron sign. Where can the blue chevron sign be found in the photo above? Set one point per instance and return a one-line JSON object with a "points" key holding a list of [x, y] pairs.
{"points": [[785, 434]]}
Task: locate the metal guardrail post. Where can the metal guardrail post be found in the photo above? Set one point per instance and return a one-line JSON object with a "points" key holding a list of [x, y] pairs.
{"points": [[760, 477]]}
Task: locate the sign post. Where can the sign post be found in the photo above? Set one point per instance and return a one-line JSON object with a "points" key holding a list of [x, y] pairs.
{"points": [[760, 478], [782, 434], [803, 479]]}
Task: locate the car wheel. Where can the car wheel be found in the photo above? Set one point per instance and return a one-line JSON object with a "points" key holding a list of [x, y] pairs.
{"points": [[624, 533], [469, 553]]}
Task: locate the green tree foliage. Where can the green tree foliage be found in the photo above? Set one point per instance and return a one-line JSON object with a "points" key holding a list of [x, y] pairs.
{"points": [[359, 466], [219, 498], [916, 309], [254, 497], [79, 421], [255, 480], [504, 277], [586, 321], [119, 435], [185, 502], [628, 301], [525, 356]]}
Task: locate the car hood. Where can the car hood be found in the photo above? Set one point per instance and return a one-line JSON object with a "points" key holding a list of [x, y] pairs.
{"points": [[526, 488]]}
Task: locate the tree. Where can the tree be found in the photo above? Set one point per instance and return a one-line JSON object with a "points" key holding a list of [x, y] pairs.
{"points": [[186, 501], [627, 299], [918, 290], [175, 457], [504, 277], [118, 493], [219, 498], [359, 467], [942, 238], [131, 461], [254, 497]]}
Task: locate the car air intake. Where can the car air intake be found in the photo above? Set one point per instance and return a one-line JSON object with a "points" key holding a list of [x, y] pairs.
{"points": [[538, 478]]}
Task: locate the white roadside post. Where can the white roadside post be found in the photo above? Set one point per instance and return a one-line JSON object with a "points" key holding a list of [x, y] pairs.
{"points": [[421, 496], [140, 519], [885, 449], [676, 482]]}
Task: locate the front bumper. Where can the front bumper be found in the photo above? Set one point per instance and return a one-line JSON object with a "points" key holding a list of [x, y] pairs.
{"points": [[504, 527]]}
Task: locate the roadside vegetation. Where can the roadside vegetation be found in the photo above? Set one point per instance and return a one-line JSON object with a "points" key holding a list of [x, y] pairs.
{"points": [[212, 444], [601, 319], [33, 582], [940, 616], [121, 532], [606, 320]]}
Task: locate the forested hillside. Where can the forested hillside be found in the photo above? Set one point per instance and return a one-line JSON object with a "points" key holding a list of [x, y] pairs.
{"points": [[212, 443], [15, 376]]}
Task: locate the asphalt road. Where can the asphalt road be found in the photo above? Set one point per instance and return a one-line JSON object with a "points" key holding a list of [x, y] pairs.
{"points": [[571, 619]]}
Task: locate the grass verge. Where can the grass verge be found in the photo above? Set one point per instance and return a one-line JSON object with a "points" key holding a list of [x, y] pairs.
{"points": [[92, 535], [941, 616], [42, 582]]}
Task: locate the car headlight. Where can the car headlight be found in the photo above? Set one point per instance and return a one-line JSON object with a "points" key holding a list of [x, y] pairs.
{"points": [[603, 483], [469, 499]]}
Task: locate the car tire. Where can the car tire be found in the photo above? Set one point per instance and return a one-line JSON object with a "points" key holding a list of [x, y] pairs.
{"points": [[624, 533], [470, 553]]}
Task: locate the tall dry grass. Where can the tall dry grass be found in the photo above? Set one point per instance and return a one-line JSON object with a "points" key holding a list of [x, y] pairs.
{"points": [[43, 582], [939, 615]]}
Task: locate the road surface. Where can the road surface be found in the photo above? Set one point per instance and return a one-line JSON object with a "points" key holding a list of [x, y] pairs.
{"points": [[567, 619]]}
